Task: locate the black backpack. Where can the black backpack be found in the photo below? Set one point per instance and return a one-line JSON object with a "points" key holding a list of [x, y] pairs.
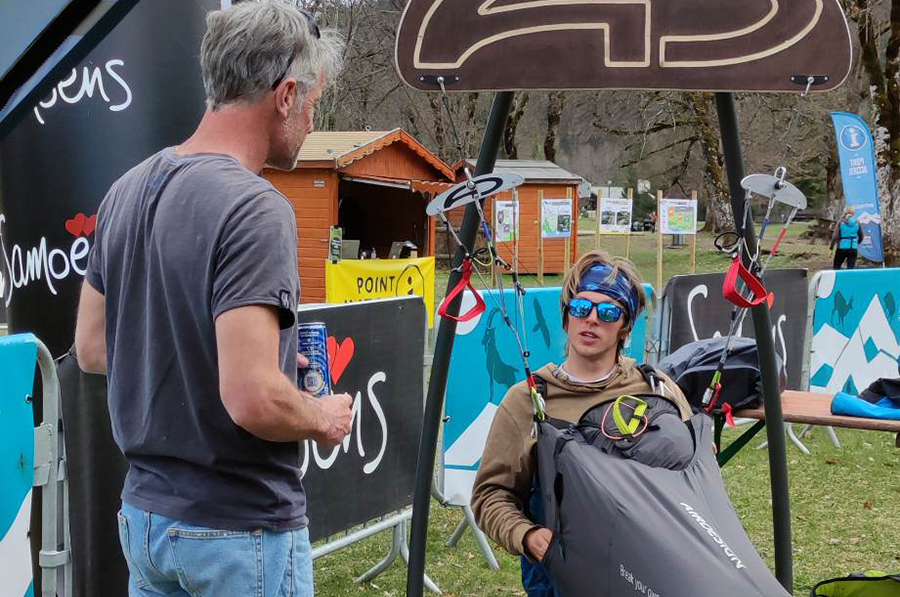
{"points": [[692, 367]]}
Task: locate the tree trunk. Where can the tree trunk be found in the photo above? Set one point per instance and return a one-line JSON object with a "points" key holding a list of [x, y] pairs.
{"points": [[883, 81], [437, 115], [471, 124], [555, 103], [718, 203], [512, 122]]}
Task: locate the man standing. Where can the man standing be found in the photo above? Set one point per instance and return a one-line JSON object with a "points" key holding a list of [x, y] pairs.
{"points": [[189, 305], [847, 235], [600, 301]]}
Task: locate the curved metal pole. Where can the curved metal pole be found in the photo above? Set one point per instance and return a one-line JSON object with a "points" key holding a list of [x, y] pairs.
{"points": [[762, 327], [443, 347]]}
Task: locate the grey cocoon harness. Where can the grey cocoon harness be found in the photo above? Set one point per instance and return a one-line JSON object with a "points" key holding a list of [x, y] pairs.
{"points": [[646, 514]]}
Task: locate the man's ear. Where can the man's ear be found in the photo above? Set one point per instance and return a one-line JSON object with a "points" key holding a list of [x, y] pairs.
{"points": [[286, 96]]}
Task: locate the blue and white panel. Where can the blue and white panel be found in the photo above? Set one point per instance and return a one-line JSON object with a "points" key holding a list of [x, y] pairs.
{"points": [[18, 355], [856, 329], [486, 362]]}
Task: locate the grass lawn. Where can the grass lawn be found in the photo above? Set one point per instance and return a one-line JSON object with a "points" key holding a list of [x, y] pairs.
{"points": [[845, 503]]}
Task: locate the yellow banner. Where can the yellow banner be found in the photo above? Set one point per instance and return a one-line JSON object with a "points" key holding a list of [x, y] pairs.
{"points": [[354, 280]]}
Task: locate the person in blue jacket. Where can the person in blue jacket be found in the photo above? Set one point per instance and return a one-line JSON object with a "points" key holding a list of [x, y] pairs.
{"points": [[847, 235]]}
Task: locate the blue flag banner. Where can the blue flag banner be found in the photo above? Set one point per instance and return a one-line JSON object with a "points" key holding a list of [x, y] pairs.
{"points": [[859, 176]]}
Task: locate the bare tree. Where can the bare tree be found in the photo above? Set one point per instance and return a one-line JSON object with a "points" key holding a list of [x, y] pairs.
{"points": [[512, 123], [879, 39], [555, 105]]}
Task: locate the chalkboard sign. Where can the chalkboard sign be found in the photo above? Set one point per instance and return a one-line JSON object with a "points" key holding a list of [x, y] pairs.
{"points": [[376, 353], [138, 91], [693, 308]]}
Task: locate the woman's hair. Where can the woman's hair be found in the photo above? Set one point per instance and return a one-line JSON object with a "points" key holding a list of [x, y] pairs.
{"points": [[620, 266], [250, 47]]}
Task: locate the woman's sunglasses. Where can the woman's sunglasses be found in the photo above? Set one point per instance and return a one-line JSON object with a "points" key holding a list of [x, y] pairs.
{"points": [[608, 312]]}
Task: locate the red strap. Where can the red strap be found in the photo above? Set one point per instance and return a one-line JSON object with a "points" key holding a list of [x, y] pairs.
{"points": [[465, 282], [730, 291], [778, 242], [729, 418], [715, 398]]}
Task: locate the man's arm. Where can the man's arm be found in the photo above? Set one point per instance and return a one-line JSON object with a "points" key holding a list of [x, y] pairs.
{"points": [[90, 331], [503, 483], [258, 396]]}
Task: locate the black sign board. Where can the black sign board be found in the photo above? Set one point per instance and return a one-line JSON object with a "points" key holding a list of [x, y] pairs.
{"points": [[693, 308], [138, 91], [376, 355]]}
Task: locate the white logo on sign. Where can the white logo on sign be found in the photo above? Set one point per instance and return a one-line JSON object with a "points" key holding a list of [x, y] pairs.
{"points": [[852, 138], [371, 466], [91, 81], [23, 266]]}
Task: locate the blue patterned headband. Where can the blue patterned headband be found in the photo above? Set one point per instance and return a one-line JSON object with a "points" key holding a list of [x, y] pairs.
{"points": [[598, 279]]}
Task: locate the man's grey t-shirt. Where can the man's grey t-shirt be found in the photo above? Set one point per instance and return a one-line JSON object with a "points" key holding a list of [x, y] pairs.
{"points": [[179, 241]]}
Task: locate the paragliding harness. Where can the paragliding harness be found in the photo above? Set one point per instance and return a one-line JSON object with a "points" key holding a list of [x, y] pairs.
{"points": [[535, 580], [778, 190], [628, 493]]}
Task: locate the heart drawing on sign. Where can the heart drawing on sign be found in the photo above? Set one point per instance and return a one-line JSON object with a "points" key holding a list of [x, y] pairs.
{"points": [[90, 224], [81, 225], [75, 226], [339, 356]]}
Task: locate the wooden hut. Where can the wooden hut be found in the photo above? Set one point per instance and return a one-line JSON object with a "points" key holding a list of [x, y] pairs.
{"points": [[543, 180], [373, 184]]}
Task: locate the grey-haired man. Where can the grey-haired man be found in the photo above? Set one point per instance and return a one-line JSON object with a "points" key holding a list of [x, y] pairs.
{"points": [[189, 306]]}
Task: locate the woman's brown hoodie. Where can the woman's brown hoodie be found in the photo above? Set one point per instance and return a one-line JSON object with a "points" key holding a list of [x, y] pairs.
{"points": [[503, 483]]}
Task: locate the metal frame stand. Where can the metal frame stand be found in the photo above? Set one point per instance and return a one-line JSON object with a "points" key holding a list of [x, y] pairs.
{"points": [[480, 538], [789, 430], [778, 473], [50, 475], [442, 350], [398, 548], [831, 433], [397, 524]]}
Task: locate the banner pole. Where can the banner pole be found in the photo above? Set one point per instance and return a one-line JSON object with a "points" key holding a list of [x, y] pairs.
{"points": [[762, 327], [628, 234], [540, 236], [572, 233], [694, 238], [443, 348], [493, 216], [516, 229], [659, 241], [597, 215]]}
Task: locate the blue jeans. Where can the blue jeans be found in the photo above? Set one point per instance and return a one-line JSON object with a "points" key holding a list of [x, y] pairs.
{"points": [[168, 558]]}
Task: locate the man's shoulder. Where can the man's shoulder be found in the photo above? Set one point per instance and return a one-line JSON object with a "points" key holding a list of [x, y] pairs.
{"points": [[517, 401]]}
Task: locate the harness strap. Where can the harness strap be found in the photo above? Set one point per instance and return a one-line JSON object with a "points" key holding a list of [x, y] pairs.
{"points": [[465, 282], [754, 285]]}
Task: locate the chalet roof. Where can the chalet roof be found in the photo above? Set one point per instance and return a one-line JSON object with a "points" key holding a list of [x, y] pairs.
{"points": [[534, 171], [346, 147]]}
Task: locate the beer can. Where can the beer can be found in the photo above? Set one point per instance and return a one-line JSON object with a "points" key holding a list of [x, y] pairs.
{"points": [[312, 342]]}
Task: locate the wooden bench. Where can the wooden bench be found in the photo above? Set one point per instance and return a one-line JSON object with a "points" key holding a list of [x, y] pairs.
{"points": [[801, 407]]}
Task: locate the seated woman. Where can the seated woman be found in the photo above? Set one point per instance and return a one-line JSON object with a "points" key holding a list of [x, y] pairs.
{"points": [[601, 299]]}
